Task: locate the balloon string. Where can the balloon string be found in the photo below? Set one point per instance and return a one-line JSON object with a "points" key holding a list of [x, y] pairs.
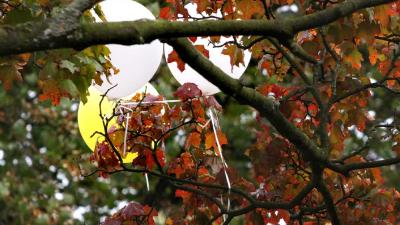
{"points": [[225, 165], [126, 126], [214, 126], [153, 102], [146, 177], [125, 139], [128, 116]]}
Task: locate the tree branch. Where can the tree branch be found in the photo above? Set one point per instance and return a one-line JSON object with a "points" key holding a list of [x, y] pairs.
{"points": [[330, 205], [371, 164], [43, 35]]}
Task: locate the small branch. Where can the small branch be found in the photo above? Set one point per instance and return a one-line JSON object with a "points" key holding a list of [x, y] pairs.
{"points": [[371, 164], [330, 205], [298, 51], [354, 153]]}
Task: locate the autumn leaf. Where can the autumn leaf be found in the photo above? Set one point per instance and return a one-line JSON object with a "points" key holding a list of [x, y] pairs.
{"points": [[188, 91], [185, 195], [210, 101], [165, 13], [10, 69], [132, 210], [210, 141], [354, 59], [151, 212], [187, 161], [51, 91], [174, 57], [235, 54], [249, 8], [193, 139], [160, 157], [203, 50]]}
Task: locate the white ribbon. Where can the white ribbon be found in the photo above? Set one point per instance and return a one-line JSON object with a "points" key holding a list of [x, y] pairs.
{"points": [[215, 126], [146, 177], [153, 102]]}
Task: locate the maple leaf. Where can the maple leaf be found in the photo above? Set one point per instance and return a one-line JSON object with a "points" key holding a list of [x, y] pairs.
{"points": [[210, 101], [249, 8], [151, 213], [165, 13], [193, 139], [160, 157], [10, 69], [188, 91], [187, 161], [149, 159], [52, 91], [210, 141], [203, 50], [185, 195], [272, 89], [174, 57], [132, 210], [235, 54]]}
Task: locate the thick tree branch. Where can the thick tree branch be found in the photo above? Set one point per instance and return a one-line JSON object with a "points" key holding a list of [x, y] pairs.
{"points": [[35, 36], [82, 5]]}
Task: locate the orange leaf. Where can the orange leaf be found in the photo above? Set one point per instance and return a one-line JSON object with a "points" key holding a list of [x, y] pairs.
{"points": [[203, 50], [376, 172], [160, 157], [174, 57], [183, 194], [193, 139], [235, 54], [210, 140]]}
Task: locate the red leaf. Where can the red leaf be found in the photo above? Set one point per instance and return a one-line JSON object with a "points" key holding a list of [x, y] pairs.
{"points": [[187, 161], [210, 101], [273, 89], [165, 13], [183, 194], [193, 39], [174, 57], [193, 139], [151, 213], [376, 172], [149, 159], [188, 91], [203, 50], [178, 171], [132, 210], [160, 157]]}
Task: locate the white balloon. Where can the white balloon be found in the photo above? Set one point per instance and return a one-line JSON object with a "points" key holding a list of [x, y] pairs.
{"points": [[137, 63], [216, 56], [147, 88]]}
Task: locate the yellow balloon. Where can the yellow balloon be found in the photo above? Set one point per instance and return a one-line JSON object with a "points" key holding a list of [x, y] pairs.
{"points": [[89, 120]]}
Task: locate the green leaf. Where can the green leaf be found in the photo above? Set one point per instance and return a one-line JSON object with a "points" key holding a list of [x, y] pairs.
{"points": [[69, 86], [65, 64]]}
